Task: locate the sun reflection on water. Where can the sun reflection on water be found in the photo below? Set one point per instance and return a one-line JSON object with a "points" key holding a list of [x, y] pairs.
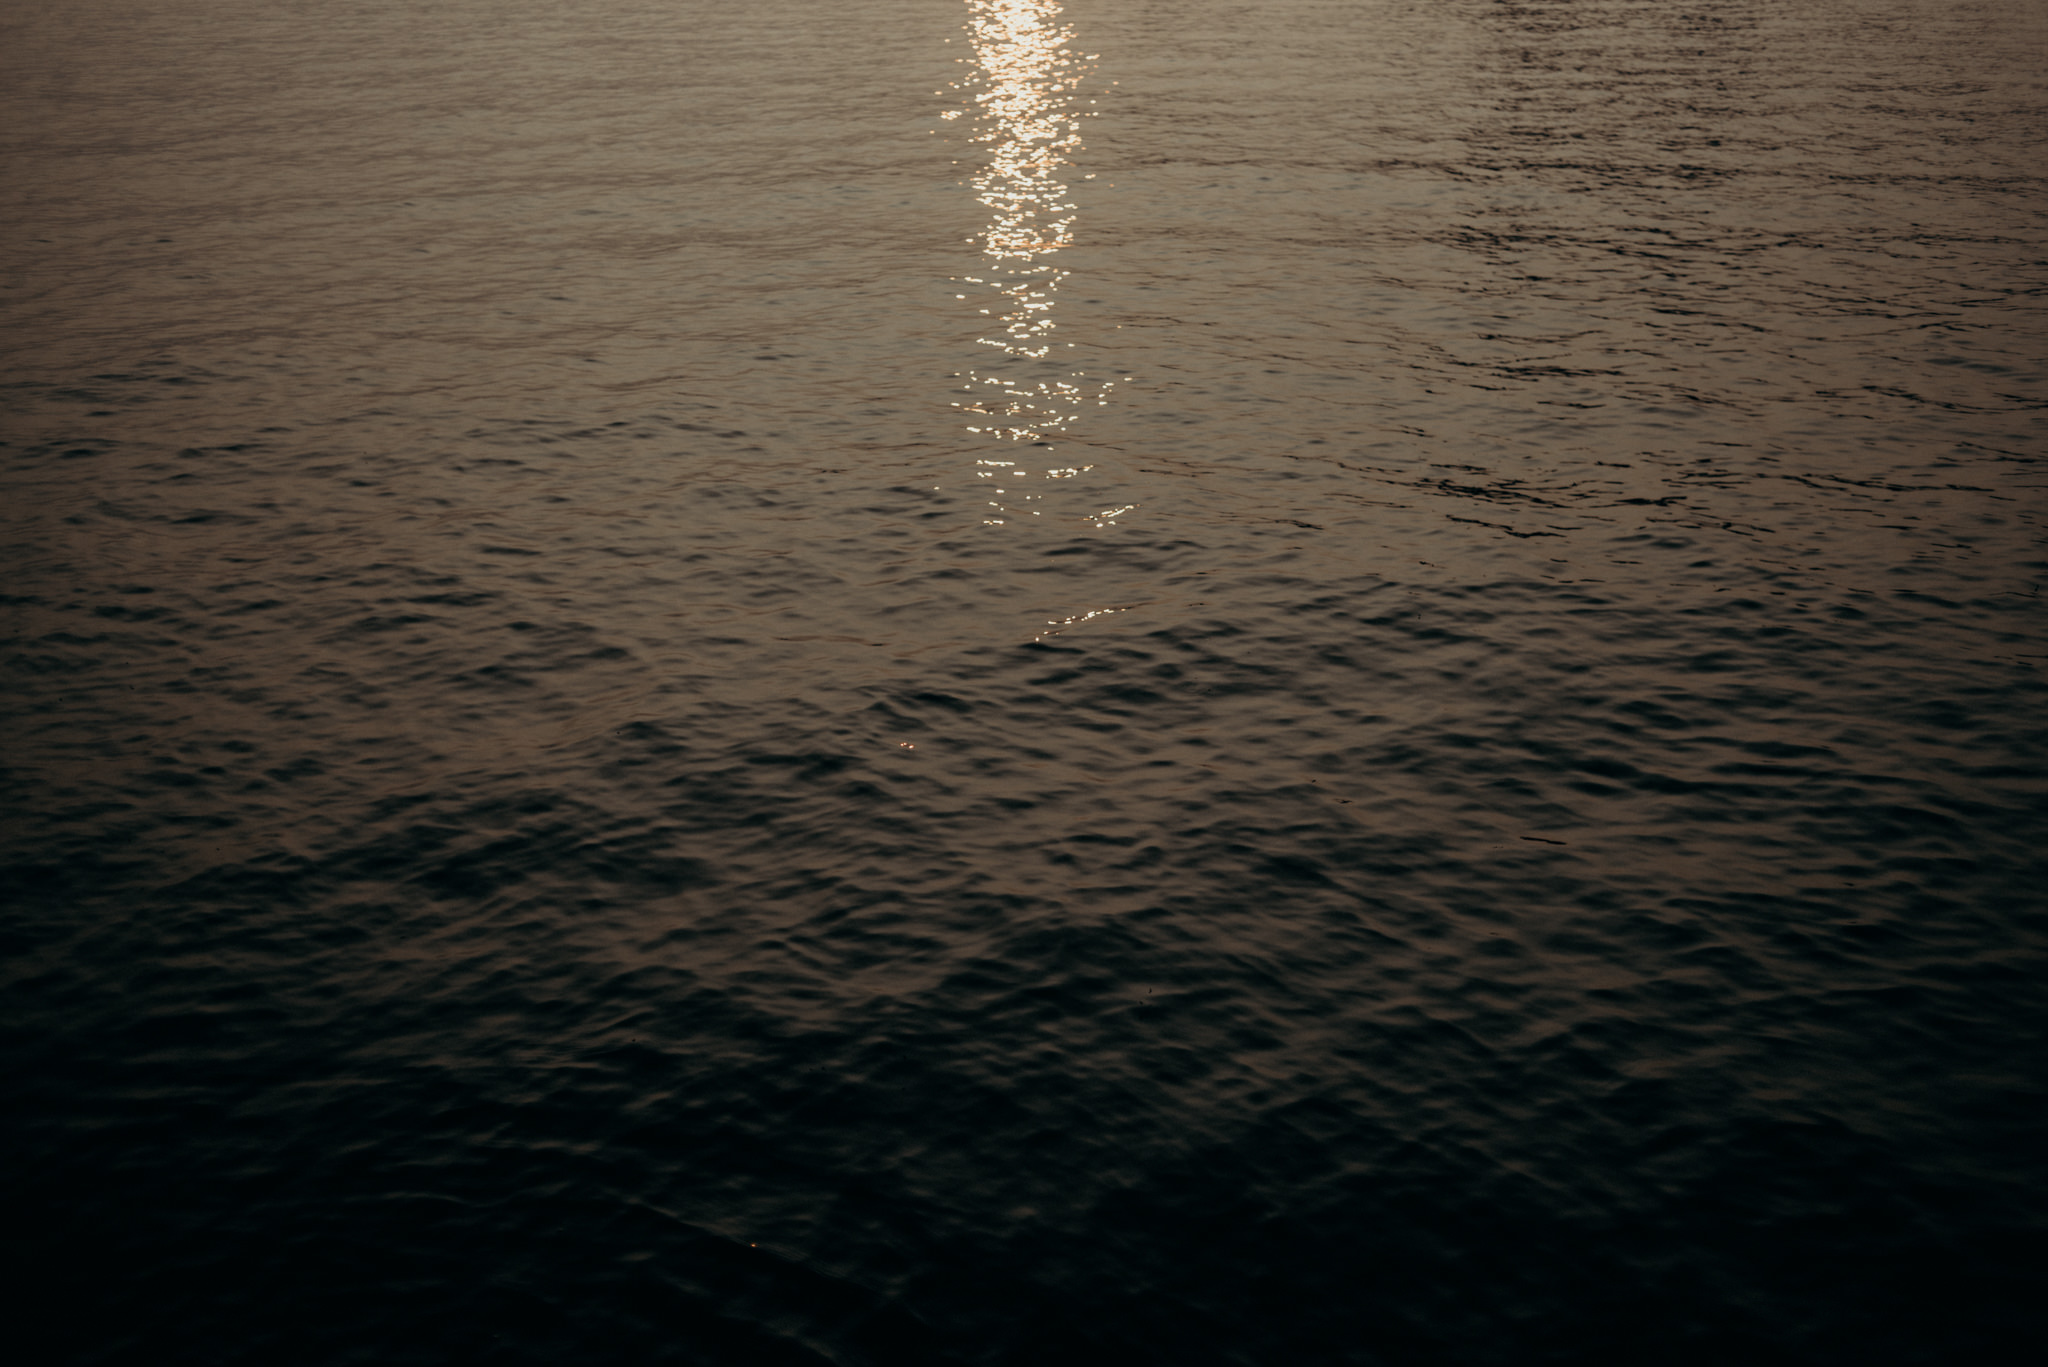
{"points": [[1023, 92]]}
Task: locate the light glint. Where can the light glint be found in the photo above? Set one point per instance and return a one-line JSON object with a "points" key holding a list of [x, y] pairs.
{"points": [[1022, 88]]}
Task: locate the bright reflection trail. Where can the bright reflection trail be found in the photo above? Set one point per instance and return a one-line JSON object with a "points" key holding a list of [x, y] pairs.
{"points": [[1024, 87]]}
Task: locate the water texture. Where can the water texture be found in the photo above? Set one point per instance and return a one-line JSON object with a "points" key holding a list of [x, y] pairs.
{"points": [[1001, 682]]}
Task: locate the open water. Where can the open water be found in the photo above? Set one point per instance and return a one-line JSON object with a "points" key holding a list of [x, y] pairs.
{"points": [[1002, 682]]}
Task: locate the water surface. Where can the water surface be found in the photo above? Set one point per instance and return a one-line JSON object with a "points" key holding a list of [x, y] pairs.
{"points": [[1001, 682]]}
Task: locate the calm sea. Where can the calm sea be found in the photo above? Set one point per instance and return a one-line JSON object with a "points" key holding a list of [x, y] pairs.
{"points": [[1004, 683]]}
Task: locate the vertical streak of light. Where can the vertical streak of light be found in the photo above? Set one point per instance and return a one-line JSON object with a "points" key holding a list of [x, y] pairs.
{"points": [[1022, 91]]}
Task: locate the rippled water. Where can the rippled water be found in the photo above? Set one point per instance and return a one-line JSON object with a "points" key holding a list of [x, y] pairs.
{"points": [[1003, 682]]}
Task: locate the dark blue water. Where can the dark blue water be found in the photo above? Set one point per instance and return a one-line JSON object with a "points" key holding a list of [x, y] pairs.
{"points": [[1011, 683]]}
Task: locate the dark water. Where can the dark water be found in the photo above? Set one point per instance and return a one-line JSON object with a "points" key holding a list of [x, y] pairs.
{"points": [[1153, 683]]}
